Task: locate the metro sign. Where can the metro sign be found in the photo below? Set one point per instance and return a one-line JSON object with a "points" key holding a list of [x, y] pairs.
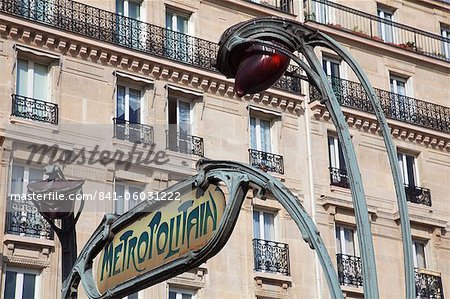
{"points": [[160, 237]]}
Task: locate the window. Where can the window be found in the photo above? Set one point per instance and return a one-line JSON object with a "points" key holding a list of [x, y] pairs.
{"points": [[402, 106], [385, 29], [331, 67], [338, 170], [408, 169], [129, 114], [419, 254], [21, 284], [176, 293], [127, 197], [23, 217], [260, 138], [346, 241], [179, 124], [32, 80], [177, 43], [129, 31], [445, 33], [263, 225]]}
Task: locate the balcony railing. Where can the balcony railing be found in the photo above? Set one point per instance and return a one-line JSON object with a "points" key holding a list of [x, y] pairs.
{"points": [[280, 5], [428, 286], [399, 107], [349, 270], [271, 256], [338, 177], [184, 143], [379, 29], [24, 219], [133, 132], [266, 161], [112, 28], [34, 109], [418, 195]]}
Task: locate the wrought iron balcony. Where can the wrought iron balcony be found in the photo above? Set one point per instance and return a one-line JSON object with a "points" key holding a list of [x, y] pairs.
{"points": [[34, 109], [338, 177], [266, 161], [399, 107], [184, 143], [112, 28], [379, 29], [418, 195], [349, 270], [271, 256], [428, 286], [24, 219], [133, 132], [280, 5]]}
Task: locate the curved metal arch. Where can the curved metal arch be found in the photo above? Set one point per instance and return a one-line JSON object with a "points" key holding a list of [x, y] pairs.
{"points": [[297, 34], [238, 178], [408, 262]]}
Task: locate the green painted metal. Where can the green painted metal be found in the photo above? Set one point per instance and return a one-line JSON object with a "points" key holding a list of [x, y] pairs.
{"points": [[238, 178], [408, 263]]}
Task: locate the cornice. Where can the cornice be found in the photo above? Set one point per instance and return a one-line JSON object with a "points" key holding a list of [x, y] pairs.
{"points": [[401, 131], [71, 45]]}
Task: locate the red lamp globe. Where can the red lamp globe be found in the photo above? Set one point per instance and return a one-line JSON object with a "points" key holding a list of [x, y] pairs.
{"points": [[259, 69]]}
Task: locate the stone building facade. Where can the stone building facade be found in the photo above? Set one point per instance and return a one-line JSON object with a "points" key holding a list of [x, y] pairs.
{"points": [[112, 72]]}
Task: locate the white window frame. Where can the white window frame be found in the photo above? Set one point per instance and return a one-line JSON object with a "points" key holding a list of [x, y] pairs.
{"points": [[404, 167], [19, 280], [396, 80], [26, 175], [381, 13], [445, 32], [328, 60], [258, 133], [127, 101], [179, 292], [30, 79], [342, 242], [414, 249], [261, 224], [126, 203], [334, 157], [179, 99], [175, 15]]}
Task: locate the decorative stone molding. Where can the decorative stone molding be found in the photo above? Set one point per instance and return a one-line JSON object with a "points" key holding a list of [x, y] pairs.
{"points": [[269, 285], [27, 263], [129, 60], [368, 123]]}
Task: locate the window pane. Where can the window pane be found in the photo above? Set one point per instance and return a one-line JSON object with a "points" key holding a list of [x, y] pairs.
{"points": [[338, 240], [17, 179], [332, 152], [184, 110], [420, 254], [119, 7], [40, 84], [172, 295], [119, 206], [256, 231], [265, 135], [335, 69], [169, 17], [35, 175], [186, 296], [134, 106], [133, 296], [253, 133], [29, 281], [401, 88], [349, 242], [133, 10], [10, 285], [134, 196], [182, 24], [120, 103], [410, 169], [268, 227], [22, 77]]}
